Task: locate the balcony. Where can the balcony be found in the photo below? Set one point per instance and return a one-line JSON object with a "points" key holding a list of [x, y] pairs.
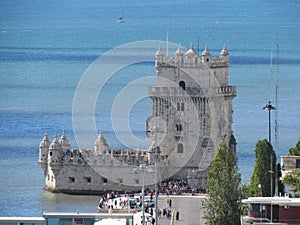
{"points": [[226, 91], [156, 91]]}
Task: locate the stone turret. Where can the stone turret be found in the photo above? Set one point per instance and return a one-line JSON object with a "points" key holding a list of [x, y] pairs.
{"points": [[43, 152], [159, 56], [54, 156], [101, 146], [65, 144], [191, 55], [224, 55], [179, 54], [206, 55]]}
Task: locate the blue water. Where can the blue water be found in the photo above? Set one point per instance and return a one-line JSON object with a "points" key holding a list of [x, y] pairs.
{"points": [[46, 46]]}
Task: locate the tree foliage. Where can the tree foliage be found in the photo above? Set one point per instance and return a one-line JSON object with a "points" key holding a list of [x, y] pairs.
{"points": [[223, 204], [281, 187], [244, 194], [293, 179], [296, 150], [260, 184]]}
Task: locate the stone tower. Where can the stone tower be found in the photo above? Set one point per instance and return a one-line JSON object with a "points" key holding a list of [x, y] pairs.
{"points": [[191, 112], [43, 152]]}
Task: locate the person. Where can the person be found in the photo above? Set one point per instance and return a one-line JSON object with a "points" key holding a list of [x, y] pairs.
{"points": [[153, 221], [164, 212], [170, 203], [168, 214], [177, 215], [151, 211]]}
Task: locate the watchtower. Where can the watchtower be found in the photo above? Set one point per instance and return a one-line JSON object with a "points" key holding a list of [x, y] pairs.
{"points": [[191, 112]]}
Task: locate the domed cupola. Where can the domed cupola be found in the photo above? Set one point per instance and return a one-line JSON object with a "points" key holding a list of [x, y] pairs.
{"points": [[224, 51], [159, 57], [179, 52], [55, 145], [43, 151], [191, 54], [205, 55], [65, 144], [224, 54], [159, 52], [54, 156], [45, 142], [101, 146]]}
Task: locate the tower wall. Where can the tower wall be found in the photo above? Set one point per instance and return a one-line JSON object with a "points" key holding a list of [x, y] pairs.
{"points": [[192, 107]]}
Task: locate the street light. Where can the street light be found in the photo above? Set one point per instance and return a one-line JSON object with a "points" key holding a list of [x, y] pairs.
{"points": [[156, 151], [269, 107], [143, 168]]}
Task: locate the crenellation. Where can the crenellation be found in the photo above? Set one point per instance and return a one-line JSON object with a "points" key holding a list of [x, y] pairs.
{"points": [[192, 59]]}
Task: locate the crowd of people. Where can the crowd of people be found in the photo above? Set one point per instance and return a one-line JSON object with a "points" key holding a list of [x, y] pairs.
{"points": [[111, 201], [177, 187]]}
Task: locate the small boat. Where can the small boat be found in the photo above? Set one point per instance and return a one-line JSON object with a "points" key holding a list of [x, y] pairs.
{"points": [[121, 19]]}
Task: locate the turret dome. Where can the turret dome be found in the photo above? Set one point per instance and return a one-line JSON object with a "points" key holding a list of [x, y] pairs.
{"points": [[179, 51], [206, 52], [101, 145], [101, 139], [159, 52], [191, 52], [55, 145], [224, 51], [45, 142], [64, 141]]}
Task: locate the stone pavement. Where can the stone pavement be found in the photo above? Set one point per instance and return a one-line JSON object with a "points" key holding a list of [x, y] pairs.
{"points": [[189, 207]]}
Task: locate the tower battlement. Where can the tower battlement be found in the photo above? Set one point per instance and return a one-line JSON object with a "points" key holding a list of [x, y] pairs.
{"points": [[192, 59]]}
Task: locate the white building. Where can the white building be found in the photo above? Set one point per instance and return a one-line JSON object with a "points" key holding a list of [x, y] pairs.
{"points": [[191, 116]]}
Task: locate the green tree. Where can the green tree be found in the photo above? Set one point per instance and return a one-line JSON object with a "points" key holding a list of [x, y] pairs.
{"points": [[244, 193], [293, 179], [223, 204], [260, 184], [244, 190], [296, 149], [280, 183]]}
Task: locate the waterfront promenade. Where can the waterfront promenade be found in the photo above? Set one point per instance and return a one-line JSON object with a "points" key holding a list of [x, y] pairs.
{"points": [[189, 207]]}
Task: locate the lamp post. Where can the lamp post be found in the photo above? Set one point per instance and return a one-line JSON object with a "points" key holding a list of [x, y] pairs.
{"points": [[143, 167], [269, 107], [156, 148], [156, 151]]}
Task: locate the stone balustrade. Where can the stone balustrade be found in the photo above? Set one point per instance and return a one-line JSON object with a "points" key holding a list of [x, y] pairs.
{"points": [[175, 91]]}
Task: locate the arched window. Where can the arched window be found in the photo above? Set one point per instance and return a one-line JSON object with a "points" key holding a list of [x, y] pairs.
{"points": [[178, 106], [180, 148], [182, 84], [178, 127]]}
